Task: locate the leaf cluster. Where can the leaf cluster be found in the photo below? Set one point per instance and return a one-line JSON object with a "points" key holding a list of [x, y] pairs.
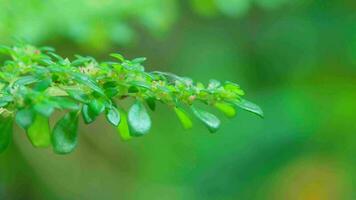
{"points": [[36, 82]]}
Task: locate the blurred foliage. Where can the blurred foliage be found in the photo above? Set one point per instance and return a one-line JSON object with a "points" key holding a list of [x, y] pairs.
{"points": [[98, 24], [233, 8], [93, 23], [297, 61]]}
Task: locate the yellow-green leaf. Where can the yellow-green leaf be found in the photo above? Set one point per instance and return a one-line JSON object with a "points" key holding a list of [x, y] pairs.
{"points": [[123, 127], [226, 108], [39, 132], [183, 118]]}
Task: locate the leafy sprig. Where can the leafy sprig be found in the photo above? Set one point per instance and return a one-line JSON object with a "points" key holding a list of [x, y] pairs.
{"points": [[36, 82]]}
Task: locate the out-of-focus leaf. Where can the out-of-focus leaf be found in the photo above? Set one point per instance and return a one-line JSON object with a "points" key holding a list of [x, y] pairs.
{"points": [[45, 108], [209, 120], [87, 114], [85, 80], [151, 103], [139, 60], [183, 118], [226, 108], [65, 134], [5, 100], [78, 95], [234, 88], [39, 132], [97, 106], [123, 127], [249, 106], [26, 80], [139, 119], [65, 103], [113, 115], [43, 85], [25, 117], [140, 84], [118, 56]]}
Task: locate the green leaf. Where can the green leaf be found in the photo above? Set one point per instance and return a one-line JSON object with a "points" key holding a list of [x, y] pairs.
{"points": [[25, 117], [39, 132], [209, 120], [226, 108], [44, 108], [139, 119], [97, 106], [5, 132], [140, 84], [5, 100], [78, 95], [249, 106], [43, 85], [88, 81], [25, 80], [123, 127], [56, 56], [65, 134], [234, 88], [118, 56], [113, 115], [183, 118], [65, 103], [151, 103], [111, 92], [139, 60], [87, 114]]}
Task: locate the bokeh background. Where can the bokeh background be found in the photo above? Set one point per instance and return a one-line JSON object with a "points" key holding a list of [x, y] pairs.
{"points": [[295, 58]]}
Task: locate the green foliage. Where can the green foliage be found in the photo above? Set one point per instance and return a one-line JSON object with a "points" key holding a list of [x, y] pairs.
{"points": [[123, 127], [39, 132], [139, 120], [65, 135], [36, 82], [96, 24], [209, 120], [184, 118]]}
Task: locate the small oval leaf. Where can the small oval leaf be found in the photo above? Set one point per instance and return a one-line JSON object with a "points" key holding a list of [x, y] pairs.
{"points": [[39, 132], [44, 108], [226, 108], [25, 117], [139, 119], [183, 118], [113, 115], [87, 115], [209, 120], [65, 134]]}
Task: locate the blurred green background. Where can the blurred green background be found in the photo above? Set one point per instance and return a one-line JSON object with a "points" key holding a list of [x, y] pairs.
{"points": [[295, 58]]}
